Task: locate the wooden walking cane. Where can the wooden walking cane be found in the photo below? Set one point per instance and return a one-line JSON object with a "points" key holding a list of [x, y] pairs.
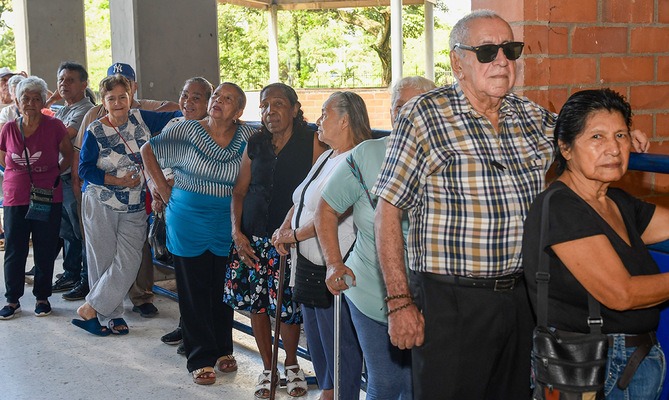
{"points": [[274, 380]]}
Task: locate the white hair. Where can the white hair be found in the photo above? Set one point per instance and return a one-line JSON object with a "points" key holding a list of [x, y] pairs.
{"points": [[417, 82], [460, 31], [32, 84]]}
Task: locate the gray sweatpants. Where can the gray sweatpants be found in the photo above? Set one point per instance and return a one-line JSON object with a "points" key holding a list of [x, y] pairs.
{"points": [[114, 243]]}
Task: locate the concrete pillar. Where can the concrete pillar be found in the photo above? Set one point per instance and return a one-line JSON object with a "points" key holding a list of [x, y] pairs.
{"points": [[166, 42], [396, 41], [429, 40], [48, 32], [273, 41]]}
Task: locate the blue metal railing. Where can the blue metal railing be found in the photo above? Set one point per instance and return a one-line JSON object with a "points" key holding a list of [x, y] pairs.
{"points": [[660, 251]]}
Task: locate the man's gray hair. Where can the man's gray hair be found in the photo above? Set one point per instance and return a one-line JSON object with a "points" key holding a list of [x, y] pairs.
{"points": [[460, 31], [32, 84], [416, 82]]}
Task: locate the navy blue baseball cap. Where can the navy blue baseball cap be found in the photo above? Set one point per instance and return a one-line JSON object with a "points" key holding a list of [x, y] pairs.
{"points": [[123, 69]]}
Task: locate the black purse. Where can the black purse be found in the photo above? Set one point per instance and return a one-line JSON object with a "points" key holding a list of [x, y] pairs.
{"points": [[158, 238], [565, 365], [310, 288]]}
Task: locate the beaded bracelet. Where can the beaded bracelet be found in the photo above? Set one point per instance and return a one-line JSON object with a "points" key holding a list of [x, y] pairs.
{"points": [[398, 296], [399, 308], [295, 235]]}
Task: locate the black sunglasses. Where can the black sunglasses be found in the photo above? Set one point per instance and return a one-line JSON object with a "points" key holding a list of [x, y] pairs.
{"points": [[487, 53]]}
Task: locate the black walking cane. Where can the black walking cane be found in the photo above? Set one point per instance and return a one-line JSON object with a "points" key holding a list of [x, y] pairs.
{"points": [[274, 380]]}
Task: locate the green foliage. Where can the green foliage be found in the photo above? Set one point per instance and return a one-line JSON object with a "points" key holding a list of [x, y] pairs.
{"points": [[7, 46], [98, 40], [243, 46]]}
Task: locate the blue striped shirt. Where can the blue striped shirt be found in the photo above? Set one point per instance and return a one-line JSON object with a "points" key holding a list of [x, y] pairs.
{"points": [[466, 186], [200, 165]]}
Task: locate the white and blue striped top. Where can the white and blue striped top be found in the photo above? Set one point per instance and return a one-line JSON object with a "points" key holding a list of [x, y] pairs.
{"points": [[200, 165]]}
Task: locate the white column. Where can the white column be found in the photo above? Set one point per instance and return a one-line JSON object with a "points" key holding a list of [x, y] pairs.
{"points": [[48, 32], [273, 34], [166, 42], [429, 40], [396, 38]]}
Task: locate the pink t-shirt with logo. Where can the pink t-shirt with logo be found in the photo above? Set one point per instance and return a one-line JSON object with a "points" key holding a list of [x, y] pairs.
{"points": [[43, 150]]}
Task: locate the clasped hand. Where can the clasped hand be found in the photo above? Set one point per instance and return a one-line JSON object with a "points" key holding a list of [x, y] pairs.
{"points": [[334, 278], [283, 239]]}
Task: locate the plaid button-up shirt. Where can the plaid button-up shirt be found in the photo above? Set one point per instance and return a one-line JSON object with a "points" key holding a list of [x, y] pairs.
{"points": [[466, 187]]}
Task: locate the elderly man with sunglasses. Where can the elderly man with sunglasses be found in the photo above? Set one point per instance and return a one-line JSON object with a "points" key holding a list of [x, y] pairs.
{"points": [[465, 161]]}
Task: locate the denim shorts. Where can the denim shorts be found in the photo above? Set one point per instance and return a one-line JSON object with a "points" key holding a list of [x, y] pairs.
{"points": [[648, 379]]}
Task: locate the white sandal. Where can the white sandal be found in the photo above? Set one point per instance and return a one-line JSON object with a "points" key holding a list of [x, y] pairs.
{"points": [[296, 383], [264, 385]]}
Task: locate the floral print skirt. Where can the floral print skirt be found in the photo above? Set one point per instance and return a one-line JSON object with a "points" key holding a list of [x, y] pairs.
{"points": [[254, 287]]}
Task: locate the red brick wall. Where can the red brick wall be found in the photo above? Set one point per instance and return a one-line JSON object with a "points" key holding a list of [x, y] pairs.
{"points": [[376, 100], [578, 44]]}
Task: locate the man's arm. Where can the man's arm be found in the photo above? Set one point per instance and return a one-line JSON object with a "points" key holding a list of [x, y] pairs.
{"points": [[406, 326]]}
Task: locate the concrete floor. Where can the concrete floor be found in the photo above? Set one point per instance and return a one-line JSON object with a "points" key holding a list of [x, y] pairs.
{"points": [[49, 358]]}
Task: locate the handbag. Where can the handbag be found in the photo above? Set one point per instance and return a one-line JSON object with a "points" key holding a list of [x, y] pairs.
{"points": [[310, 288], [41, 200], [158, 238], [565, 365]]}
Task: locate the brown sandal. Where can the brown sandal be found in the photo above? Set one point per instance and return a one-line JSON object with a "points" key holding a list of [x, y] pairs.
{"points": [[204, 376], [226, 363]]}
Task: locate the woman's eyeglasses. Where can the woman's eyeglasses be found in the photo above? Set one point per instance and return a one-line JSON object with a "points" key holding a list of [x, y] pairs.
{"points": [[487, 53]]}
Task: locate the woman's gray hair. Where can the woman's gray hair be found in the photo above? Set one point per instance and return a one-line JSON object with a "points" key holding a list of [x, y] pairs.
{"points": [[241, 96], [416, 82], [208, 88], [13, 81], [351, 104], [32, 84], [460, 31]]}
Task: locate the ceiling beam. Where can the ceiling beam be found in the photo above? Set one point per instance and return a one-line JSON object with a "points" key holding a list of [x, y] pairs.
{"points": [[317, 5]]}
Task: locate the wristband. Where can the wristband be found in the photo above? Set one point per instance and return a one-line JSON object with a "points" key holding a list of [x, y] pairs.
{"points": [[295, 235], [398, 296], [399, 308]]}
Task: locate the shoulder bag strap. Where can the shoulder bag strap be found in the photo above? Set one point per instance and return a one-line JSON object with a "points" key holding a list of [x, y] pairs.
{"points": [[595, 321], [304, 190], [19, 122], [355, 170]]}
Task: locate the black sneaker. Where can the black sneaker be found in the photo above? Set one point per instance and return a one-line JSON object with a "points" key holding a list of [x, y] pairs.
{"points": [[79, 292], [63, 284], [146, 310], [181, 350], [8, 312], [42, 309], [31, 272], [173, 337]]}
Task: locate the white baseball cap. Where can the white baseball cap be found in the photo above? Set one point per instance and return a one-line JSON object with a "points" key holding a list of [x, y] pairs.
{"points": [[6, 71]]}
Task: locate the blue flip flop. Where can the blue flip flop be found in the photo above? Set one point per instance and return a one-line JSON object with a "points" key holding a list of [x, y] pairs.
{"points": [[92, 326], [118, 322]]}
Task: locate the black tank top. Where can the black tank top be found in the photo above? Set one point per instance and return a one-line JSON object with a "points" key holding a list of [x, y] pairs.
{"points": [[273, 179]]}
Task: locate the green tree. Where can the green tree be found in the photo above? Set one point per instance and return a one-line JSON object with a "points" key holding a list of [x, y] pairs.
{"points": [[375, 22], [98, 40], [243, 48], [7, 43], [306, 38]]}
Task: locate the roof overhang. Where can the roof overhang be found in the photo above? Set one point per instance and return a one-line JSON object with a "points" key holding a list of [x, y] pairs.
{"points": [[317, 5]]}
